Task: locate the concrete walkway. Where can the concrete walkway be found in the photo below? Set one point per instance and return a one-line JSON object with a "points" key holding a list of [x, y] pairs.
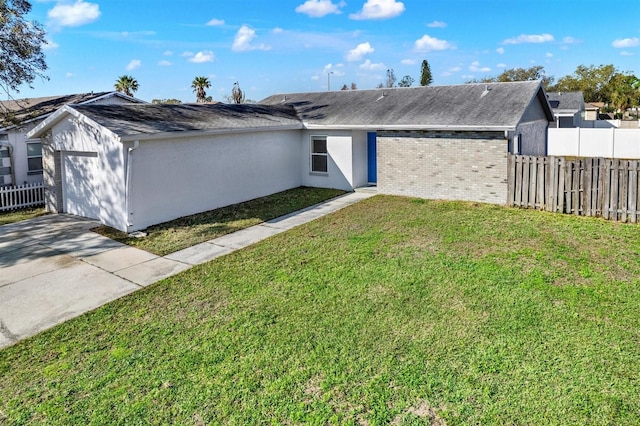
{"points": [[53, 268]]}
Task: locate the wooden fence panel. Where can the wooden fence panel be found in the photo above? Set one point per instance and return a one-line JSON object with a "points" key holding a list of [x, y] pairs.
{"points": [[609, 188]]}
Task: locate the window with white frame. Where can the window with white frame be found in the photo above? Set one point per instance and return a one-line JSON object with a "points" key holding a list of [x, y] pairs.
{"points": [[34, 157], [319, 154]]}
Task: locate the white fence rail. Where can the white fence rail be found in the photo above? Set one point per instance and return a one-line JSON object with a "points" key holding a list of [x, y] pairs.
{"points": [[21, 196], [606, 143]]}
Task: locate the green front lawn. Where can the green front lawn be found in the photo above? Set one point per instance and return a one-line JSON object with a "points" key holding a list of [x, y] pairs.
{"points": [[188, 231], [391, 311], [18, 215]]}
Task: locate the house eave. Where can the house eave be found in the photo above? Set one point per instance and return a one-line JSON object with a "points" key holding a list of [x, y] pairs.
{"points": [[222, 131], [417, 127]]}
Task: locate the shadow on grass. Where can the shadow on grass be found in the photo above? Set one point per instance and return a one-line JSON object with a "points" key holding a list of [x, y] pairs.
{"points": [[187, 231]]}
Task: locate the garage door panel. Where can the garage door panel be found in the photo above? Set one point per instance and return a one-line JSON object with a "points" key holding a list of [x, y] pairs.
{"points": [[79, 184]]}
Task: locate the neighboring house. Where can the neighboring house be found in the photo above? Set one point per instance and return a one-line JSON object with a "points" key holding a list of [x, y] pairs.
{"points": [[132, 166], [568, 109], [21, 157], [592, 110]]}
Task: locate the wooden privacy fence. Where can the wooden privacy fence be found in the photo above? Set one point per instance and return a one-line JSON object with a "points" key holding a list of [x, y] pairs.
{"points": [[17, 197], [603, 187]]}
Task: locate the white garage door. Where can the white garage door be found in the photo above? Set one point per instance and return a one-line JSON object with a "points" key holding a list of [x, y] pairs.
{"points": [[79, 184]]}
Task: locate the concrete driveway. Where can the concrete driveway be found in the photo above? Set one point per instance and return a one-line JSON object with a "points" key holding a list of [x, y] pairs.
{"points": [[53, 268]]}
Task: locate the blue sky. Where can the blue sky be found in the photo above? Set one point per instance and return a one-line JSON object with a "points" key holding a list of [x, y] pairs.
{"points": [[276, 46]]}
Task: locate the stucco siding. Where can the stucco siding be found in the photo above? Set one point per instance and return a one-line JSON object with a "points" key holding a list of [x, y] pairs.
{"points": [[340, 161], [446, 168], [360, 163], [108, 182], [533, 137], [175, 178]]}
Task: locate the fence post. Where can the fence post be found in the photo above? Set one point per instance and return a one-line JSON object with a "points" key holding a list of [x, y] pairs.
{"points": [[511, 173]]}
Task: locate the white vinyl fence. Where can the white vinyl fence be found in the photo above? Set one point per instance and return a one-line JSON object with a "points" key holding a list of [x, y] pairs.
{"points": [[605, 143], [21, 196]]}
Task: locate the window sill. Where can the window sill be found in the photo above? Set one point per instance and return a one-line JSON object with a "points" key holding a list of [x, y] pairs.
{"points": [[318, 173], [37, 172]]}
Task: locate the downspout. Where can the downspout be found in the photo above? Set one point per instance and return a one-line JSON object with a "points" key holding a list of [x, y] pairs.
{"points": [[127, 194]]}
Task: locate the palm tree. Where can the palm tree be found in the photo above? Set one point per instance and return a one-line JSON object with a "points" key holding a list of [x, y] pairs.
{"points": [[198, 85], [126, 84]]}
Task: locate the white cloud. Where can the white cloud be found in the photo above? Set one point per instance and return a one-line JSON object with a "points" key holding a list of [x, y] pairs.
{"points": [[134, 64], [427, 44], [408, 62], [202, 57], [320, 8], [622, 43], [165, 63], [69, 75], [73, 15], [437, 24], [359, 52], [379, 9], [475, 67], [569, 40], [215, 22], [187, 54], [369, 66], [49, 45], [501, 65], [451, 71], [529, 38], [277, 30], [167, 53], [243, 40], [315, 77], [625, 53], [500, 50]]}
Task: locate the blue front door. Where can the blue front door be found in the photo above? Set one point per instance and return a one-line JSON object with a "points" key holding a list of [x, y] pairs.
{"points": [[371, 158]]}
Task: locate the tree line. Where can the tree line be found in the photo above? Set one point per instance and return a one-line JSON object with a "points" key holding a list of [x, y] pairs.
{"points": [[129, 85], [602, 83]]}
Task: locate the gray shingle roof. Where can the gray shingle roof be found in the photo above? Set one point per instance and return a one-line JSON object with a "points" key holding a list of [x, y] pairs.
{"points": [[151, 119], [493, 105], [566, 101], [21, 110]]}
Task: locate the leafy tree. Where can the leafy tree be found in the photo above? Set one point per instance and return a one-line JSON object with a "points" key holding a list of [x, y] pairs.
{"points": [[592, 81], [353, 86], [406, 81], [344, 87], [237, 94], [166, 101], [198, 85], [126, 84], [21, 56], [380, 86], [425, 74], [520, 74], [622, 92], [391, 78]]}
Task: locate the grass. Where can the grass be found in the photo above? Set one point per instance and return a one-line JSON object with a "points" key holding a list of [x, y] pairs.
{"points": [[392, 311], [18, 215], [188, 231]]}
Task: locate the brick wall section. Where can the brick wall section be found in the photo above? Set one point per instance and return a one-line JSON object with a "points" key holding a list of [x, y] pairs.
{"points": [[468, 166], [52, 175]]}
